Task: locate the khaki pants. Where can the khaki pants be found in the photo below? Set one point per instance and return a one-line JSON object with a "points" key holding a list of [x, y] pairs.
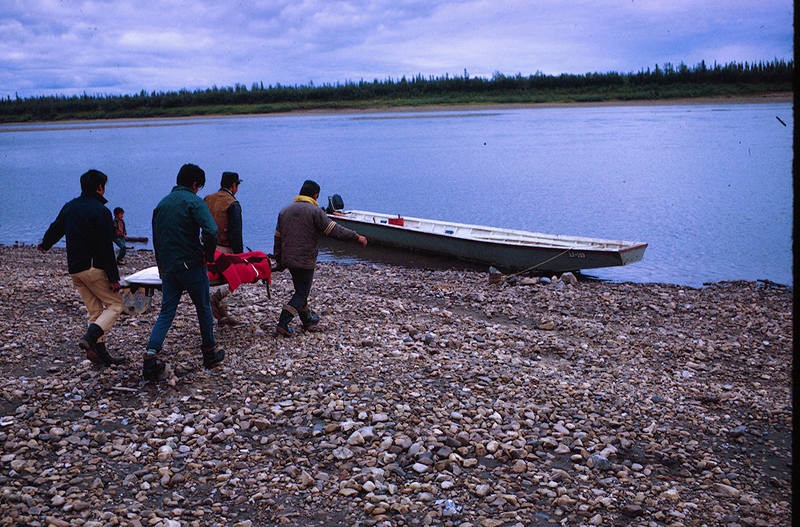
{"points": [[95, 291]]}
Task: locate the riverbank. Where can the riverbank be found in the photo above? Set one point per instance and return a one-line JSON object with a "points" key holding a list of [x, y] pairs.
{"points": [[428, 397], [79, 124]]}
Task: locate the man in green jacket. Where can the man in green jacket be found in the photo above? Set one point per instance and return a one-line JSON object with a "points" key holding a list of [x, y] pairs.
{"points": [[181, 258]]}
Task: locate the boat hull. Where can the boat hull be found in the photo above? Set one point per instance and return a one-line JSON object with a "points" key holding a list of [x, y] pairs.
{"points": [[504, 256]]}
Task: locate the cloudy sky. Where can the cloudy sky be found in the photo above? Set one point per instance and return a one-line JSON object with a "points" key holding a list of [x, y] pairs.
{"points": [[124, 46]]}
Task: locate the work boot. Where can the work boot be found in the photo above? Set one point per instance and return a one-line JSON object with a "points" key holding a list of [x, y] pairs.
{"points": [[152, 368], [309, 320], [213, 357], [219, 307], [92, 355], [87, 342], [284, 331], [283, 324], [106, 357]]}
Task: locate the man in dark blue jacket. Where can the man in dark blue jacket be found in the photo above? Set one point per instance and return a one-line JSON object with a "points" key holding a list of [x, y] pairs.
{"points": [[89, 229], [181, 258]]}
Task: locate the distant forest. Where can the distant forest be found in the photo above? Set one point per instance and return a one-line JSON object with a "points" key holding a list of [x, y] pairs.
{"points": [[663, 82]]}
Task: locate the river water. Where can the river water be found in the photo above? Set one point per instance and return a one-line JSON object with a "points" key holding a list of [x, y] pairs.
{"points": [[708, 187]]}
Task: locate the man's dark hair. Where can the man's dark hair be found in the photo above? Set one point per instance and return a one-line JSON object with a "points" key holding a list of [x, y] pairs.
{"points": [[117, 210], [92, 180], [309, 188], [190, 174], [229, 179]]}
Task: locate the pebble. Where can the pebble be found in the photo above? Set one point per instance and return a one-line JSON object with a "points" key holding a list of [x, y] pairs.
{"points": [[342, 453], [671, 494], [598, 462], [727, 490], [164, 453], [420, 467]]}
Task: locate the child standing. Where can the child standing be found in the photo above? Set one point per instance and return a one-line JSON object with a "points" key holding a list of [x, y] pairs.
{"points": [[120, 234]]}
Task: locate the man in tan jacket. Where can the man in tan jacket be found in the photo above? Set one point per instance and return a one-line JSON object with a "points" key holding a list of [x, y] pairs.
{"points": [[227, 214], [300, 226]]}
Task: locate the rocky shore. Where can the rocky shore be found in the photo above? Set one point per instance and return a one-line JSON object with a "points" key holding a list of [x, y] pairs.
{"points": [[427, 398]]}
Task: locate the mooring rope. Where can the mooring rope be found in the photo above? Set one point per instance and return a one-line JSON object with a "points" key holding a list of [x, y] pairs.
{"points": [[538, 264]]}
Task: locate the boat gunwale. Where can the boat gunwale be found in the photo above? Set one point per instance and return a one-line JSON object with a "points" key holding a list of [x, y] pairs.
{"points": [[562, 241]]}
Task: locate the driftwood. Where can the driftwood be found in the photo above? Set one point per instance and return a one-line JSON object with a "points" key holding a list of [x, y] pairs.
{"points": [[124, 389]]}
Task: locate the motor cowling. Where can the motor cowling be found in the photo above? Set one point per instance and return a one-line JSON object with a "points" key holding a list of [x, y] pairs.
{"points": [[335, 203]]}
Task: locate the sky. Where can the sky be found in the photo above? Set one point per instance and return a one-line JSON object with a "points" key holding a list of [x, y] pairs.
{"points": [[67, 47]]}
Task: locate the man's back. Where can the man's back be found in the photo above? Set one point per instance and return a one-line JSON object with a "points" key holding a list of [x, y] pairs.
{"points": [[177, 220], [88, 228], [300, 226], [227, 214]]}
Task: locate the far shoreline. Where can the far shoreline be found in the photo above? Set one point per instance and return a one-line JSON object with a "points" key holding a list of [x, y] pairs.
{"points": [[77, 124]]}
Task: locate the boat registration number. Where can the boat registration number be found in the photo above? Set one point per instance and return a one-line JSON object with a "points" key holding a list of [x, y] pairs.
{"points": [[577, 254]]}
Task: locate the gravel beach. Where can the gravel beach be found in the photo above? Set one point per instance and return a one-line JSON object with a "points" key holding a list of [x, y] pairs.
{"points": [[428, 397]]}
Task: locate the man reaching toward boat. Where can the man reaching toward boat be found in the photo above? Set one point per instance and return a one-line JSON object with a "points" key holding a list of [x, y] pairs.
{"points": [[300, 226]]}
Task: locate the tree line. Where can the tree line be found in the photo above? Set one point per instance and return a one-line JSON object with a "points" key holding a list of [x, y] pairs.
{"points": [[660, 82]]}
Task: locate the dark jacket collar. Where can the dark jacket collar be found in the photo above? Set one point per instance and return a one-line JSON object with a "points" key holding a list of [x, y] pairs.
{"points": [[96, 196]]}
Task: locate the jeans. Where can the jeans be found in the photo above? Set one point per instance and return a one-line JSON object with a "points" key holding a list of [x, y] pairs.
{"points": [[121, 244], [195, 282]]}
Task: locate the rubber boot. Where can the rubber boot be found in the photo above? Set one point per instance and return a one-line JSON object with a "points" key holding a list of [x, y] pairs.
{"points": [[213, 357], [106, 357], [87, 342], [152, 368], [309, 319], [283, 324]]}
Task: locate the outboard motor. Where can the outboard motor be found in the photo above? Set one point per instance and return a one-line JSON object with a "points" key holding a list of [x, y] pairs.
{"points": [[335, 204]]}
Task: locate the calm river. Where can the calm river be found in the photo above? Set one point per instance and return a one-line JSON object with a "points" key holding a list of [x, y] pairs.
{"points": [[708, 187]]}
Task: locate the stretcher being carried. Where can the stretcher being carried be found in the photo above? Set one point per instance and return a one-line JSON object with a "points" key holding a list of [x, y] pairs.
{"points": [[231, 269]]}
